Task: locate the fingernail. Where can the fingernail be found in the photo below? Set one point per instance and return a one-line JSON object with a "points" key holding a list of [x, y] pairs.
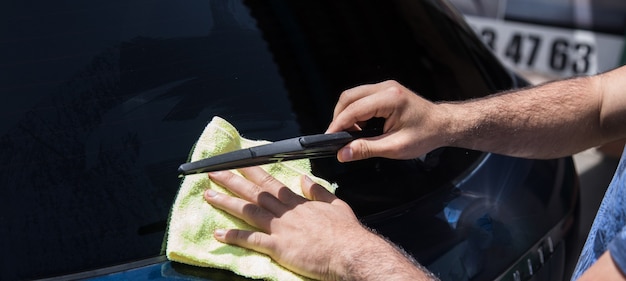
{"points": [[345, 154], [220, 233], [210, 193], [307, 180], [216, 173]]}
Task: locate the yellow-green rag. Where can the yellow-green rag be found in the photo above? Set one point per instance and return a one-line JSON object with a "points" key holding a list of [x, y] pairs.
{"points": [[192, 221]]}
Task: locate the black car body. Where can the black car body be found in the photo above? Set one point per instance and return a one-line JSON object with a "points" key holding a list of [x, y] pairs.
{"points": [[104, 99]]}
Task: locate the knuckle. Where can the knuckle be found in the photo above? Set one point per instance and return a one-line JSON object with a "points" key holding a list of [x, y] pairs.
{"points": [[390, 82], [253, 212], [266, 180], [252, 239], [254, 190], [347, 94], [394, 91], [363, 150], [224, 178], [232, 235]]}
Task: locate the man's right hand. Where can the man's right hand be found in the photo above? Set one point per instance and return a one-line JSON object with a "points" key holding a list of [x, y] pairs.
{"points": [[413, 125]]}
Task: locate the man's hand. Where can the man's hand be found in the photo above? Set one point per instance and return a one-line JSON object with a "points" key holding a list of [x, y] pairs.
{"points": [[533, 122], [412, 124], [318, 236]]}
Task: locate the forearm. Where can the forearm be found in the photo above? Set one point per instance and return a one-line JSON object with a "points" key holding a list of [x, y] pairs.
{"points": [[551, 120], [378, 259], [603, 269]]}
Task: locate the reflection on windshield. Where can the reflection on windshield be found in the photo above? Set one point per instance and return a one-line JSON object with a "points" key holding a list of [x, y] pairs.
{"points": [[103, 144]]}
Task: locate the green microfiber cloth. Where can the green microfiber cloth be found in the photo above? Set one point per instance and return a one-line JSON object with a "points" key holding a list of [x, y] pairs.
{"points": [[192, 220]]}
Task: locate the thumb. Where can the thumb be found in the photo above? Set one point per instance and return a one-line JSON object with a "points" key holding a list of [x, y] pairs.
{"points": [[357, 150]]}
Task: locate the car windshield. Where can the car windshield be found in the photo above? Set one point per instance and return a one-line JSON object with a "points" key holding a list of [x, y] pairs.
{"points": [[102, 100]]}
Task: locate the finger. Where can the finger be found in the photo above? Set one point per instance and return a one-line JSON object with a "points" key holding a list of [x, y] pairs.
{"points": [[254, 240], [381, 146], [351, 95], [248, 190], [270, 184], [314, 191], [252, 214], [356, 150], [352, 115], [379, 104]]}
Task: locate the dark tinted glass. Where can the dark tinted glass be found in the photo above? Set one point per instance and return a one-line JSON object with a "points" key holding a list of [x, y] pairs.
{"points": [[102, 100]]}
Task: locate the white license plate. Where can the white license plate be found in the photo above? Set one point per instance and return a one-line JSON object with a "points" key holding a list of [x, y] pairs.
{"points": [[552, 51]]}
